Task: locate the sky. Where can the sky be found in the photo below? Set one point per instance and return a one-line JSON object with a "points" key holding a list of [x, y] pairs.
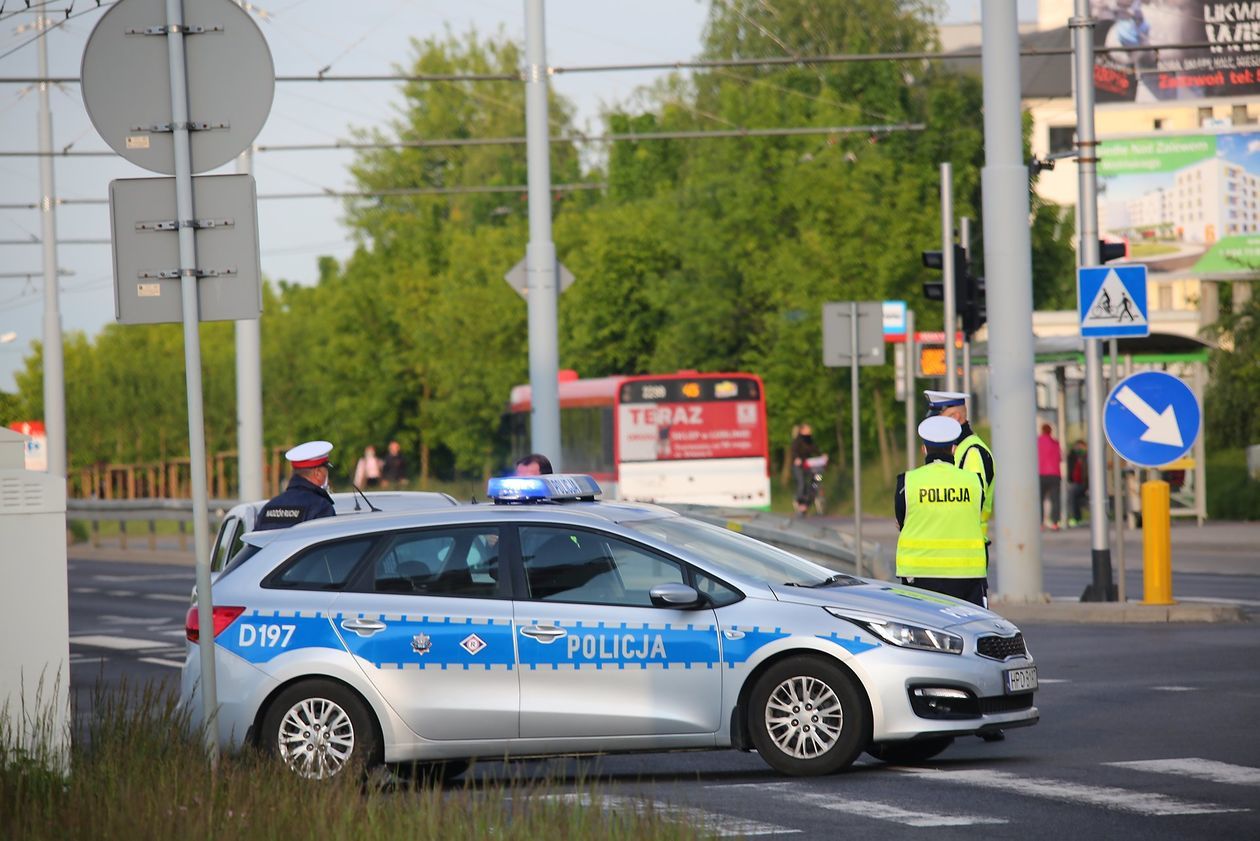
{"points": [[361, 37]]}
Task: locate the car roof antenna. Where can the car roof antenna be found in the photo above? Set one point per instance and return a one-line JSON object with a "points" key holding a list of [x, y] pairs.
{"points": [[365, 499]]}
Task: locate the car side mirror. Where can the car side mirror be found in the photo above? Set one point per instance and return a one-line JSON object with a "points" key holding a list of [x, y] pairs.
{"points": [[678, 596]]}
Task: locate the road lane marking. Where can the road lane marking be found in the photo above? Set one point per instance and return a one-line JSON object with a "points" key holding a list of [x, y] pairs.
{"points": [[140, 576], [169, 597], [1199, 769], [1108, 797], [1044, 680], [158, 661], [1175, 688], [116, 643], [873, 808], [85, 590], [709, 822]]}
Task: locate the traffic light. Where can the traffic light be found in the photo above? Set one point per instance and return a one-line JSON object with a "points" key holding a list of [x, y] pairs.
{"points": [[934, 290], [1108, 251], [969, 301]]}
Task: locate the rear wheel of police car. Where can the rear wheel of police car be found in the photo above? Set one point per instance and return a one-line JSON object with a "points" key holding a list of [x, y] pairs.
{"points": [[807, 717], [319, 728]]}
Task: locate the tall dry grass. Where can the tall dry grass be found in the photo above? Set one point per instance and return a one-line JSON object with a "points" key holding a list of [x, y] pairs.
{"points": [[138, 771]]}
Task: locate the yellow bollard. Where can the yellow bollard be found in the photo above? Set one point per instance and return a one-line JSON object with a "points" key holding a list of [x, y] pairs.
{"points": [[1156, 543]]}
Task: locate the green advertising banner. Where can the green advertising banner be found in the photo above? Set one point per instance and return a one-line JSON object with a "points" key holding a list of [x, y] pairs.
{"points": [[1188, 205]]}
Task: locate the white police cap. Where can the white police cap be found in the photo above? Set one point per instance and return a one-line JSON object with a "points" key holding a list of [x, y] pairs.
{"points": [[310, 454], [940, 430], [945, 399]]}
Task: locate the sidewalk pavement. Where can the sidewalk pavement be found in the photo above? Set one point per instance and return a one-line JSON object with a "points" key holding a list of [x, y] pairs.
{"points": [[1230, 548]]}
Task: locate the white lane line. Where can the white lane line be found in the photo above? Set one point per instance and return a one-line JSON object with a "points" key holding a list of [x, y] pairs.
{"points": [[168, 597], [122, 594], [1200, 769], [1108, 797], [157, 661], [708, 822], [877, 810], [84, 590], [174, 632], [140, 576], [1175, 688], [1044, 680], [116, 643]]}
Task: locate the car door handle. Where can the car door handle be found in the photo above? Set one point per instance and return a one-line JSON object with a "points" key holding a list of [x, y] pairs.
{"points": [[363, 627], [544, 633]]}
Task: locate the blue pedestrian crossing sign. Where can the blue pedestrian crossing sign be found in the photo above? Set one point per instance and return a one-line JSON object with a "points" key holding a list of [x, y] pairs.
{"points": [[1151, 418], [1112, 301]]}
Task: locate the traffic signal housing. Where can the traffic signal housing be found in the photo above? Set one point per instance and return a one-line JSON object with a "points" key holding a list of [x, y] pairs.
{"points": [[1108, 251], [969, 303]]}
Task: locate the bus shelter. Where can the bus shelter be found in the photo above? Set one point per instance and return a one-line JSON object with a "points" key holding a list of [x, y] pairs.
{"points": [[1060, 375]]}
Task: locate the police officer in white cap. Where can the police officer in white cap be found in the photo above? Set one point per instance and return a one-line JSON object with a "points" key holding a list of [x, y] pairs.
{"points": [[306, 497], [970, 452], [938, 506]]}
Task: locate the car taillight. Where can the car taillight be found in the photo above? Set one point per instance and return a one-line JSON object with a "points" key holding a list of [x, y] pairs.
{"points": [[223, 616]]}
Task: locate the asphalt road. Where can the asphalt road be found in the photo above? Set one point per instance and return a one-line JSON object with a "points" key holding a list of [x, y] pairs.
{"points": [[1147, 731]]}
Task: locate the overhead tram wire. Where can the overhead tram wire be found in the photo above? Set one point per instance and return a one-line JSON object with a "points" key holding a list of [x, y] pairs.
{"points": [[612, 137], [400, 192], [777, 61]]}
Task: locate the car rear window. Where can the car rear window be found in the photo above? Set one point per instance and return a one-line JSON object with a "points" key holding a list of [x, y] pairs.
{"points": [[324, 567]]}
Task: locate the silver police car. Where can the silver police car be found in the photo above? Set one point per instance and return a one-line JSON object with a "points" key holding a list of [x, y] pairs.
{"points": [[560, 625]]}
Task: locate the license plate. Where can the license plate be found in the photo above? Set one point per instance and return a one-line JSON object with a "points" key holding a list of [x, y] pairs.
{"points": [[1021, 680]]}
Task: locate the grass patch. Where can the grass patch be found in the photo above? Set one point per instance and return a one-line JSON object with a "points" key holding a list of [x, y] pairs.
{"points": [[136, 773], [1231, 493]]}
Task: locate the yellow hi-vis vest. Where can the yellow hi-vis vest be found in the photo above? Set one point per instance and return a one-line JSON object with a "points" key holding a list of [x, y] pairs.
{"points": [[942, 536], [966, 457]]}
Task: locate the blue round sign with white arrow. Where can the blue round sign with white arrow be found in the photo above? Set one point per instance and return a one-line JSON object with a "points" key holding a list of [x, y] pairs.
{"points": [[1151, 418]]}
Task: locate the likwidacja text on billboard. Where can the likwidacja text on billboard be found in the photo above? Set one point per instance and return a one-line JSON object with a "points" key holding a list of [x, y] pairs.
{"points": [[1189, 205], [1227, 65]]}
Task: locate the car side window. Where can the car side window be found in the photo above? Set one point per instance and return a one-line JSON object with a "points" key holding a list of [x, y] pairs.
{"points": [[571, 565], [227, 544], [720, 594], [441, 562], [324, 567]]}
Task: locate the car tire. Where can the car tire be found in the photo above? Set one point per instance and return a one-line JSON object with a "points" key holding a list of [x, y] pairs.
{"points": [[807, 717], [319, 728], [911, 752], [434, 773]]}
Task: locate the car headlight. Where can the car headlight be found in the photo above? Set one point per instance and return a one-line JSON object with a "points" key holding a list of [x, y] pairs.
{"points": [[905, 635]]}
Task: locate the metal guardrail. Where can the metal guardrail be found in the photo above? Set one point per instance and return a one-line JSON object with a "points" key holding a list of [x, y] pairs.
{"points": [[124, 511], [822, 544]]}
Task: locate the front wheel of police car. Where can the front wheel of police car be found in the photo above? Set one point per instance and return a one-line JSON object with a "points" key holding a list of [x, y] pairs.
{"points": [[318, 728], [807, 717]]}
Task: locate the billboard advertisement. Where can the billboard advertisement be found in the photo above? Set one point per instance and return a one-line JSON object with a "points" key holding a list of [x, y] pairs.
{"points": [[1228, 66], [1188, 204]]}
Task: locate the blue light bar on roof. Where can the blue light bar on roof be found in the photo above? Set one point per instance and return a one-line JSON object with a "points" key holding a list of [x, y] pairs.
{"points": [[555, 487]]}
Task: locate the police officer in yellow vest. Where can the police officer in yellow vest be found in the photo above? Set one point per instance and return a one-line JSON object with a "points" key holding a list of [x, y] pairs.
{"points": [[970, 452], [938, 506]]}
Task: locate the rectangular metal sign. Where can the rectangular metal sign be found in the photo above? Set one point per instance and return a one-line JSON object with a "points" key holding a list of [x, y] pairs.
{"points": [[146, 249], [838, 335]]}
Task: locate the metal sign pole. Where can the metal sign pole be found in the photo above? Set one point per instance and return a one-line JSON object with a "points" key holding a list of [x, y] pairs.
{"points": [[911, 426], [948, 273], [249, 413], [854, 362], [540, 253], [1117, 479], [192, 368], [1082, 26], [54, 354]]}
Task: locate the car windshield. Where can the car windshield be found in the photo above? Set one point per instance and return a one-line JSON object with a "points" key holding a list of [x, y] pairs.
{"points": [[740, 555]]}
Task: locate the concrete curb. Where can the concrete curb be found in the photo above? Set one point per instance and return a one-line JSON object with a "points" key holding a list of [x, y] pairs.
{"points": [[1117, 613]]}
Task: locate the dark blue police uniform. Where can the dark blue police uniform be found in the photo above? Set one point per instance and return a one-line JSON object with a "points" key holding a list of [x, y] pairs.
{"points": [[302, 500]]}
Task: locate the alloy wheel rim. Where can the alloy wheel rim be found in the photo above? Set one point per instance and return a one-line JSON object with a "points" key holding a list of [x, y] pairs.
{"points": [[316, 738], [804, 717]]}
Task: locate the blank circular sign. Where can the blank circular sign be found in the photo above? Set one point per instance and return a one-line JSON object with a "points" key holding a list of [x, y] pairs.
{"points": [[127, 90]]}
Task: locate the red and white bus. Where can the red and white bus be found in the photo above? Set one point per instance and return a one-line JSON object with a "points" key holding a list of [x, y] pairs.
{"points": [[683, 438]]}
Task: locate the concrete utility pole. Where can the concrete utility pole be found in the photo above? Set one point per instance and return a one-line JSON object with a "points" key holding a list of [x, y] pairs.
{"points": [[1082, 26], [540, 254], [249, 415], [964, 239], [54, 355], [1008, 266], [948, 270]]}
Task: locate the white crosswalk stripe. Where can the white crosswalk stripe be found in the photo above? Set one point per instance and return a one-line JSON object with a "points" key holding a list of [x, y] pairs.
{"points": [[1199, 769], [1108, 797], [710, 822], [875, 809], [117, 643]]}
